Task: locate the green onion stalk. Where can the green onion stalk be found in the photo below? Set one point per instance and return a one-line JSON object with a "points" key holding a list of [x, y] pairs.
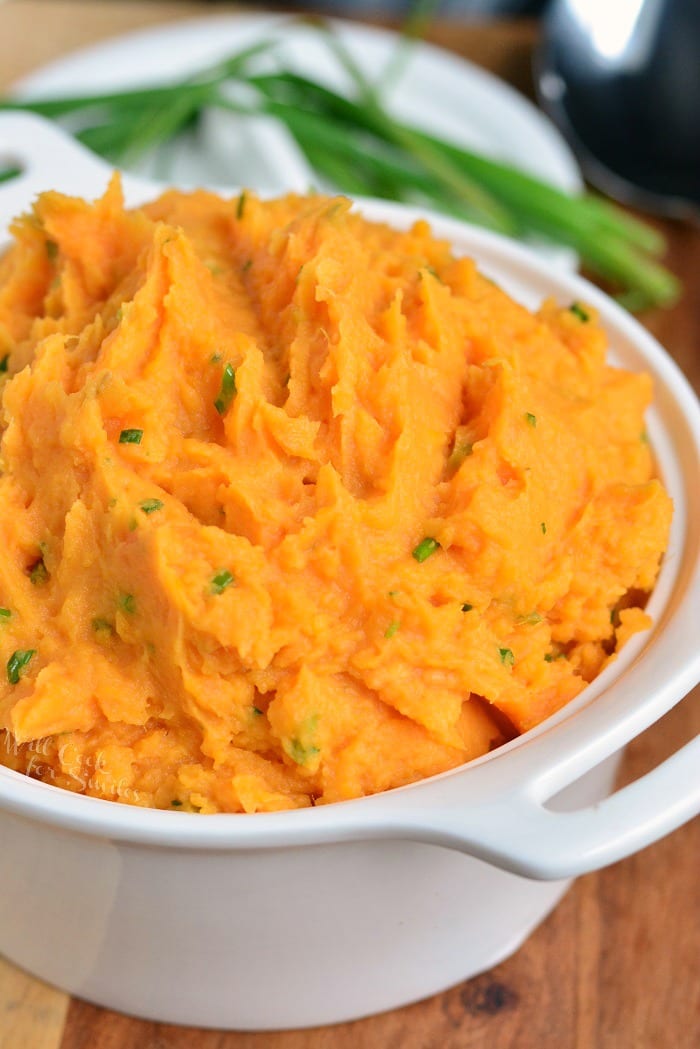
{"points": [[354, 143]]}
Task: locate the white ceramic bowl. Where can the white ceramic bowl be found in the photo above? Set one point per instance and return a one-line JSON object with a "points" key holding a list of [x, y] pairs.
{"points": [[314, 916]]}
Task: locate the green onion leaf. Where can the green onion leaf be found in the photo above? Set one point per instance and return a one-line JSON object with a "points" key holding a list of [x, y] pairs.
{"points": [[4, 362], [5, 613], [578, 311], [227, 391], [9, 173], [38, 574], [466, 607], [425, 549], [391, 629], [102, 624], [149, 506], [130, 436], [530, 419], [51, 249], [240, 207], [127, 603], [507, 657], [221, 580], [17, 663], [298, 752]]}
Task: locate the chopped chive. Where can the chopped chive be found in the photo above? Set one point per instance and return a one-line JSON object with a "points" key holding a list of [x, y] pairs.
{"points": [[425, 549], [130, 436], [127, 603], [550, 657], [4, 362], [17, 662], [459, 453], [530, 419], [51, 249], [176, 803], [102, 627], [393, 593], [240, 207], [578, 311], [257, 712], [298, 752], [221, 580], [531, 619], [38, 574], [644, 437], [215, 358], [227, 391], [466, 607], [5, 613], [543, 526], [246, 265], [149, 506], [133, 524], [507, 657], [391, 629]]}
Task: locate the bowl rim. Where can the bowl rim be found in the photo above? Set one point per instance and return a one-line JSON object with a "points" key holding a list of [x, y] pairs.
{"points": [[383, 815]]}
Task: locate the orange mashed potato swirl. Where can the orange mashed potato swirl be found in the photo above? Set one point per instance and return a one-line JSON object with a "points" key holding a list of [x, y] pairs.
{"points": [[295, 507]]}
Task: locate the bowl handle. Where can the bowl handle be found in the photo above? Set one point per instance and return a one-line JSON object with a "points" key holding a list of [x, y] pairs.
{"points": [[521, 834], [49, 158]]}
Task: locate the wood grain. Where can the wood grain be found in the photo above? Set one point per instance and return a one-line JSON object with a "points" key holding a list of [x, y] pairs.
{"points": [[617, 965], [32, 1015]]}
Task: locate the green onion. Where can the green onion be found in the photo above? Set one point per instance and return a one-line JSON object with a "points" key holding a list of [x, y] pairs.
{"points": [[466, 607], [543, 527], [257, 712], [102, 627], [530, 419], [391, 629], [9, 173], [298, 752], [130, 436], [4, 362], [17, 663], [38, 574], [5, 613], [221, 580], [176, 803], [149, 506], [51, 249], [507, 657], [578, 311], [227, 391], [425, 549], [356, 144], [127, 603]]}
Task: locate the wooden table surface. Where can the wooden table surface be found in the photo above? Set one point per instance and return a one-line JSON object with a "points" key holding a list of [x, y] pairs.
{"points": [[617, 965]]}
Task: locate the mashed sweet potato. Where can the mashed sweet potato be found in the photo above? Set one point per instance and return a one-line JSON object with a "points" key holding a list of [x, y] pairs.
{"points": [[295, 507]]}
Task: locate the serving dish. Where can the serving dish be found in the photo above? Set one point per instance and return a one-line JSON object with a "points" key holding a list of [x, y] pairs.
{"points": [[315, 916]]}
